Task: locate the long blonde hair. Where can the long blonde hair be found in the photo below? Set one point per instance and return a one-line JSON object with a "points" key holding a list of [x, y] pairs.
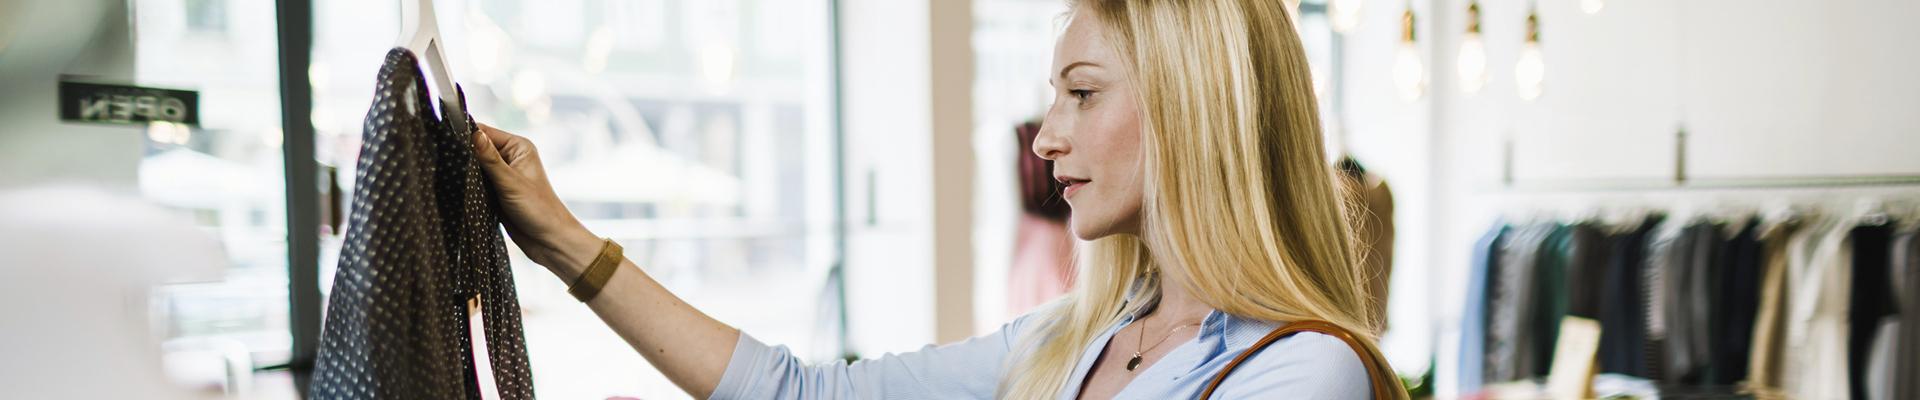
{"points": [[1239, 194]]}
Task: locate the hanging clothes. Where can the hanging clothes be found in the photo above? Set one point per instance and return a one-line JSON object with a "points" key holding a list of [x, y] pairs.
{"points": [[1688, 266], [1551, 297], [1814, 359], [1735, 305], [1587, 247], [1769, 327], [1042, 264], [1473, 316], [1870, 302], [1623, 319], [425, 238], [1906, 348], [1656, 286], [1513, 303]]}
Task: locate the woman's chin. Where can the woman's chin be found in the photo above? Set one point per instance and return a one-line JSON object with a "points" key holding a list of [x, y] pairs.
{"points": [[1090, 229]]}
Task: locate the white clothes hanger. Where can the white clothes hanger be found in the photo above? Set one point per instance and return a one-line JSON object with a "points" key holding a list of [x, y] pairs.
{"points": [[420, 32]]}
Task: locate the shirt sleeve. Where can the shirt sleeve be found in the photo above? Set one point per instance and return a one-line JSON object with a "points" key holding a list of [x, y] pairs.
{"points": [[1307, 365], [968, 369]]}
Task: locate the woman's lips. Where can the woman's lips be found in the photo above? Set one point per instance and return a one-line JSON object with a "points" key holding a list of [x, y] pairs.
{"points": [[1073, 185]]}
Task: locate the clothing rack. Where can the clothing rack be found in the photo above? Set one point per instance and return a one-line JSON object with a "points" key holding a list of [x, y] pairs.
{"points": [[1687, 293]]}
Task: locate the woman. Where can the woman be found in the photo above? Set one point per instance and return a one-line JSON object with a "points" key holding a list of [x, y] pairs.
{"points": [[1186, 134]]}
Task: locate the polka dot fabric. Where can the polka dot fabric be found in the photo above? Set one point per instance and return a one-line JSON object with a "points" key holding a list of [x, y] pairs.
{"points": [[424, 238]]}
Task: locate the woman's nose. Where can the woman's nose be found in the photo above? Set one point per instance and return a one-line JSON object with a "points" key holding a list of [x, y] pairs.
{"points": [[1048, 144]]}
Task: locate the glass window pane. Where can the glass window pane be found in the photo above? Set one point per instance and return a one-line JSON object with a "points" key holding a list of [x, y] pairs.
{"points": [[227, 175], [694, 132]]}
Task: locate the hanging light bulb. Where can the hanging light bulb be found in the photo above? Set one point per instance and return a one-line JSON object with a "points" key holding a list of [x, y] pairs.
{"points": [[1592, 6], [1344, 15], [1473, 54], [1408, 74], [1531, 72]]}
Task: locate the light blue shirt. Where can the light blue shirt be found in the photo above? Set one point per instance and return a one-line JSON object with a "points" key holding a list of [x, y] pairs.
{"points": [[1304, 366]]}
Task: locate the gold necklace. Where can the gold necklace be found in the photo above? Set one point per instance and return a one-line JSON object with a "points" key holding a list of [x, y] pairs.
{"points": [[1142, 337]]}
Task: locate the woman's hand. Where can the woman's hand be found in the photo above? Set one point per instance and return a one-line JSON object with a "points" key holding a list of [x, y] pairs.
{"points": [[535, 217]]}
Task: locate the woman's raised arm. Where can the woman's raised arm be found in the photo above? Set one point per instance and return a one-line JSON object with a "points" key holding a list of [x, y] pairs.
{"points": [[691, 348]]}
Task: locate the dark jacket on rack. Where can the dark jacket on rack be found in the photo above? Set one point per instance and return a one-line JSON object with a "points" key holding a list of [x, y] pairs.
{"points": [[424, 239], [1626, 315], [1736, 306], [1872, 300]]}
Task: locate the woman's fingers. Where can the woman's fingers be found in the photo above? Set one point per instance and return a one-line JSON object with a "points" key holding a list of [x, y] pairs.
{"points": [[484, 149], [488, 151]]}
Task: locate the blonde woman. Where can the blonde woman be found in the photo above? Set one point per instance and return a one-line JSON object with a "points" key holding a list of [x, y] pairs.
{"points": [[1186, 134]]}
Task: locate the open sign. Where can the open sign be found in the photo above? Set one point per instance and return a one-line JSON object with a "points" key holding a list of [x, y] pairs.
{"points": [[123, 104]]}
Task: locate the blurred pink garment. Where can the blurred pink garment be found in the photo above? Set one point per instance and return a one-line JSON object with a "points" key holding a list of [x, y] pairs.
{"points": [[1042, 267]]}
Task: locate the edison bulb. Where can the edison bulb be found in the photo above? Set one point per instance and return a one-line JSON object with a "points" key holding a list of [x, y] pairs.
{"points": [[1408, 74], [1473, 63], [1531, 72], [1592, 6], [1344, 15]]}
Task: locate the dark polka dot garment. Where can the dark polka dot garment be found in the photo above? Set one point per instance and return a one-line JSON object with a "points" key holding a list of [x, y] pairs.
{"points": [[424, 237]]}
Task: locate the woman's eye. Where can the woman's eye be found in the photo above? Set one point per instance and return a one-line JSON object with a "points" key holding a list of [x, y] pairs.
{"points": [[1080, 94]]}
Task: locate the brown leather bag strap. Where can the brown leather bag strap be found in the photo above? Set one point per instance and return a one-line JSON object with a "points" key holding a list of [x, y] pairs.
{"points": [[1386, 385]]}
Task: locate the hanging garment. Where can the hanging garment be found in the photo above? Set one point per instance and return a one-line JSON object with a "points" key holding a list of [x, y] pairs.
{"points": [[1623, 313], [1551, 298], [1473, 316], [1814, 360], [1870, 301], [1656, 284], [424, 239], [1769, 326], [1906, 348], [1735, 306], [1691, 259], [1513, 302], [1042, 266], [1587, 250]]}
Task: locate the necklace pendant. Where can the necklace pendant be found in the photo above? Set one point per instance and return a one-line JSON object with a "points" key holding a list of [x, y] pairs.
{"points": [[1133, 362]]}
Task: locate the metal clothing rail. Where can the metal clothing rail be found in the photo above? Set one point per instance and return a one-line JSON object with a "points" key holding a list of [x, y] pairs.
{"points": [[1682, 180], [1710, 183]]}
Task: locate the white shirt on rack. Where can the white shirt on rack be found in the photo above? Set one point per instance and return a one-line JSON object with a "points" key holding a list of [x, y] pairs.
{"points": [[1819, 275]]}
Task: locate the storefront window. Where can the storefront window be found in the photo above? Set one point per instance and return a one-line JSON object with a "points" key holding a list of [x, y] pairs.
{"points": [[226, 176], [694, 132]]}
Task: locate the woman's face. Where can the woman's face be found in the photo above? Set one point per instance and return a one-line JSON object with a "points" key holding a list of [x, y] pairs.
{"points": [[1092, 132]]}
